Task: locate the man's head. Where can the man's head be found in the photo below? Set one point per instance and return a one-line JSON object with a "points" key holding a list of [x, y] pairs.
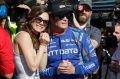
{"points": [[58, 23], [88, 2], [59, 17], [3, 14], [117, 31], [3, 10], [84, 11]]}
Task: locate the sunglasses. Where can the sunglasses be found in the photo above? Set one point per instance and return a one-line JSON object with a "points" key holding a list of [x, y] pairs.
{"points": [[39, 20], [84, 7], [68, 16]]}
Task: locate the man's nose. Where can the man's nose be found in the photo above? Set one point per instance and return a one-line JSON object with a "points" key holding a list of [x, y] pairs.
{"points": [[42, 22], [84, 11], [65, 18]]}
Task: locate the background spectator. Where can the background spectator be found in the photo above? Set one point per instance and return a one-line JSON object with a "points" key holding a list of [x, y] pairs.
{"points": [[115, 64], [6, 53], [81, 20]]}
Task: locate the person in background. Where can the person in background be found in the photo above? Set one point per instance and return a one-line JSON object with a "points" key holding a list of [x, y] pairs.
{"points": [[115, 63], [16, 18], [30, 44], [64, 49], [6, 52], [81, 20], [109, 46], [3, 12]]}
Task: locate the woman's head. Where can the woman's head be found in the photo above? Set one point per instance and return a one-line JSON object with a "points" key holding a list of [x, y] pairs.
{"points": [[40, 22], [37, 20]]}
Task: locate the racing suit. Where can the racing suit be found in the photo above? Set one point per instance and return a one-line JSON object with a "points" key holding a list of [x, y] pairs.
{"points": [[65, 47]]}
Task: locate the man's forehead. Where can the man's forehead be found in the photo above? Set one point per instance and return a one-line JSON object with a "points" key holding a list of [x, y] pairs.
{"points": [[117, 25], [117, 29]]}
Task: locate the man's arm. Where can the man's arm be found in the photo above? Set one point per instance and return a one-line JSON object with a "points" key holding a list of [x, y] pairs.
{"points": [[92, 63], [95, 36], [8, 76], [86, 68], [89, 67], [114, 66], [75, 22], [94, 43], [6, 56], [48, 72]]}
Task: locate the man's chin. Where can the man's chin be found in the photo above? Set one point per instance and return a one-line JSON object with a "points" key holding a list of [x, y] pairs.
{"points": [[82, 22], [64, 25]]}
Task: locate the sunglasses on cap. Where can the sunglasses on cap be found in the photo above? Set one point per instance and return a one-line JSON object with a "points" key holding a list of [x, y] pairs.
{"points": [[39, 20], [84, 7]]}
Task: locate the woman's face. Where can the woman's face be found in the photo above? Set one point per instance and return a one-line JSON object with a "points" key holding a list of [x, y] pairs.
{"points": [[40, 22]]}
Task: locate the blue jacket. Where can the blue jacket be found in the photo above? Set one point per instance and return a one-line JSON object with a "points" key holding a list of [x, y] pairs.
{"points": [[65, 47]]}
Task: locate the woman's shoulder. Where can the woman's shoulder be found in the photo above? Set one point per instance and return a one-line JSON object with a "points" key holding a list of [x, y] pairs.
{"points": [[22, 35]]}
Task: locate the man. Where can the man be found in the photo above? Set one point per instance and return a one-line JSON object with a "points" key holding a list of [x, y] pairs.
{"points": [[64, 50], [6, 53], [81, 20], [115, 64]]}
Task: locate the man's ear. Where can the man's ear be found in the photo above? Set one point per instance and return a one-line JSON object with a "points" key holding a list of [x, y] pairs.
{"points": [[91, 13]]}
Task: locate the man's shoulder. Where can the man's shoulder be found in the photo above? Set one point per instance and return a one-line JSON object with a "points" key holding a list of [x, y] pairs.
{"points": [[72, 28], [77, 30], [94, 28], [3, 32], [2, 29]]}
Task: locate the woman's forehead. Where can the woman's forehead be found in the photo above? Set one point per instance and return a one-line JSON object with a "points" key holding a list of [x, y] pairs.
{"points": [[44, 16]]}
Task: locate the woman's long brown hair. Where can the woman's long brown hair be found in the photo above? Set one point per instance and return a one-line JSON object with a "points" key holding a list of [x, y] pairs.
{"points": [[35, 11]]}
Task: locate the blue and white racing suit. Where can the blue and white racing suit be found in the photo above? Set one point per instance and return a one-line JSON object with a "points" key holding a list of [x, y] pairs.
{"points": [[64, 47]]}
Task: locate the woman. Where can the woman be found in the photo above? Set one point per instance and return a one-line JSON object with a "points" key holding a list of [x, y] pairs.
{"points": [[30, 44]]}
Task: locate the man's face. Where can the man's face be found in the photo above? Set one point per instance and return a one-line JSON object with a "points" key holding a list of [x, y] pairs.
{"points": [[41, 1], [59, 22], [85, 14], [117, 32]]}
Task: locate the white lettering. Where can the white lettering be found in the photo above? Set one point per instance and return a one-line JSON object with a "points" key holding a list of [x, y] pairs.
{"points": [[89, 66], [63, 51]]}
